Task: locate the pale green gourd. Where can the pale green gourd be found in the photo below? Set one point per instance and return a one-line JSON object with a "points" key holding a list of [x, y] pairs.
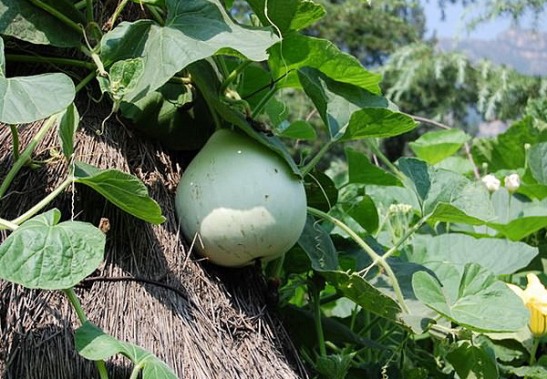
{"points": [[242, 200]]}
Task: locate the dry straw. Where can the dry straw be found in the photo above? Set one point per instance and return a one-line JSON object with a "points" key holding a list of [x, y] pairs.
{"points": [[205, 322]]}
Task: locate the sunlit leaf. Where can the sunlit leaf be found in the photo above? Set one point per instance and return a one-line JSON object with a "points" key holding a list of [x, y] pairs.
{"points": [[473, 298], [193, 30], [94, 344], [350, 112], [26, 99], [297, 51], [288, 14], [123, 190], [497, 255], [43, 253], [23, 20], [435, 146]]}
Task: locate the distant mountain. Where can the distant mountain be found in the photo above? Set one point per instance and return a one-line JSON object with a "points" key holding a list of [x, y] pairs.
{"points": [[524, 50]]}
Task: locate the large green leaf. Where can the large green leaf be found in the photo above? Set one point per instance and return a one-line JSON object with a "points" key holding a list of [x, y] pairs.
{"points": [[537, 162], [516, 218], [473, 298], [123, 190], [23, 20], [447, 196], [25, 99], [361, 170], [288, 14], [507, 151], [43, 253], [435, 146], [350, 112], [297, 51], [497, 255], [94, 344], [193, 30], [473, 361]]}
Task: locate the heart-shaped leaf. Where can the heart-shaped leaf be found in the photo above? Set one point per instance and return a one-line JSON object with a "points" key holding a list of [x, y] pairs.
{"points": [[474, 298], [193, 30], [94, 344], [43, 253]]}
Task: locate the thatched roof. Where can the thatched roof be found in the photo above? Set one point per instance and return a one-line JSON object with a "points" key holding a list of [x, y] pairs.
{"points": [[210, 323]]}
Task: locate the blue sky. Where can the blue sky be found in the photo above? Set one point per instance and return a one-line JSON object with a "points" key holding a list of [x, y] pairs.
{"points": [[454, 24]]}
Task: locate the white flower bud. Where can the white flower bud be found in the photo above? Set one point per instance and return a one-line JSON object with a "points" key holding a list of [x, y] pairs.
{"points": [[491, 182], [512, 182]]}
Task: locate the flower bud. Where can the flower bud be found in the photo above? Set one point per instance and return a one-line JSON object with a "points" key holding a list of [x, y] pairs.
{"points": [[491, 182], [512, 182]]}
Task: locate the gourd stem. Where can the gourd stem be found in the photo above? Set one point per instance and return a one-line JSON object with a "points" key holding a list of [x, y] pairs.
{"points": [[233, 75], [45, 201], [75, 302], [313, 162], [376, 258], [5, 224], [407, 235], [24, 157], [85, 80], [155, 14], [89, 11], [258, 109], [15, 141], [50, 60], [316, 294], [376, 151], [58, 15]]}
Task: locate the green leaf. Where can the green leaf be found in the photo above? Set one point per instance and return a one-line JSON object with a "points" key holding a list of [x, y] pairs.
{"points": [[447, 196], [537, 162], [68, 125], [94, 344], [473, 298], [288, 14], [25, 99], [205, 77], [355, 288], [316, 242], [124, 75], [516, 218], [472, 361], [435, 146], [22, 20], [497, 255], [297, 130], [123, 190], [297, 51], [365, 213], [43, 253], [506, 151], [362, 171], [350, 112], [193, 30], [334, 366], [2, 59], [321, 193], [418, 172]]}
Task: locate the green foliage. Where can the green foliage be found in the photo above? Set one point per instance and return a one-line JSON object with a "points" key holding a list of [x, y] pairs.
{"points": [[398, 262], [48, 254]]}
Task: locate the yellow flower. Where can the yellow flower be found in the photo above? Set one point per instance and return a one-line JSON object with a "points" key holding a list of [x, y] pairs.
{"points": [[535, 299]]}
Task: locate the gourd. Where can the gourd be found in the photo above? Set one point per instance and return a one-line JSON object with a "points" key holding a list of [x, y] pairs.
{"points": [[240, 201]]}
